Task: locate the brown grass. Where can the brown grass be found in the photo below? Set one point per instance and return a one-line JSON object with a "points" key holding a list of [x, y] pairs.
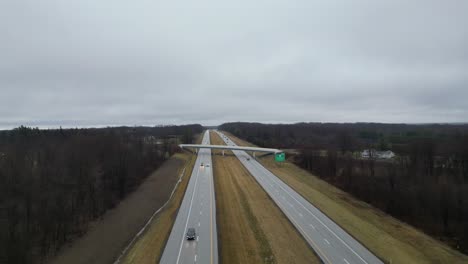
{"points": [[251, 228], [107, 236], [150, 246], [390, 239]]}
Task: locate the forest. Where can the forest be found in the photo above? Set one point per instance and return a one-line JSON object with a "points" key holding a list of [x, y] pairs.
{"points": [[54, 182], [425, 184]]}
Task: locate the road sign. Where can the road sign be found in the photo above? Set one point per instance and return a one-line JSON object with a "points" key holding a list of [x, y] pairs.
{"points": [[280, 157]]}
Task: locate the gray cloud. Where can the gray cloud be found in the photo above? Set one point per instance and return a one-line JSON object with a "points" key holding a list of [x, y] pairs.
{"points": [[88, 63]]}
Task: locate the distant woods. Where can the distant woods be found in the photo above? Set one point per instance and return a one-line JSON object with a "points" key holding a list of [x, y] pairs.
{"points": [[425, 185], [54, 182]]}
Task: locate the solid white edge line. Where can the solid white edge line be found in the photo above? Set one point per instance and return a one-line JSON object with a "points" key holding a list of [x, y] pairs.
{"points": [[275, 181], [149, 220], [188, 215]]}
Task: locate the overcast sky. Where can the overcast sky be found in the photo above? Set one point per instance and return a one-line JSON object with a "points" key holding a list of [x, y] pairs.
{"points": [[115, 62]]}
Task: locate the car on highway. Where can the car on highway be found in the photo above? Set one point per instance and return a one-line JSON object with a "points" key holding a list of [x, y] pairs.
{"points": [[248, 158], [201, 165], [207, 165], [191, 233]]}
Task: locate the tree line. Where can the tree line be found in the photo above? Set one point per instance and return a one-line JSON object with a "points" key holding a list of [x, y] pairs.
{"points": [[54, 182], [426, 185]]}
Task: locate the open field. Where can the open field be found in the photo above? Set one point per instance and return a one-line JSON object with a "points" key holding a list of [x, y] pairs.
{"points": [[388, 238], [149, 247], [251, 228]]}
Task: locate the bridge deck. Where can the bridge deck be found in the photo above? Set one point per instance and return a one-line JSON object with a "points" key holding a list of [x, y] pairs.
{"points": [[254, 149]]}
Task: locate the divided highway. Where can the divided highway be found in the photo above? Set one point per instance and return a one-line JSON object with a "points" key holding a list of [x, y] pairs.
{"points": [[329, 241], [198, 210]]}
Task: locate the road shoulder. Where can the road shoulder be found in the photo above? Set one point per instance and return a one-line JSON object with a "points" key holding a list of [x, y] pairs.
{"points": [[251, 227], [390, 239]]}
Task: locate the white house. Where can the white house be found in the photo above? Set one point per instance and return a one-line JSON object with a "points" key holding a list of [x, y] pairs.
{"points": [[387, 154], [368, 153]]}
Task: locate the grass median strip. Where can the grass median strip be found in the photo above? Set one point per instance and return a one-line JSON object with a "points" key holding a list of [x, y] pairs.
{"points": [[387, 237], [251, 228]]}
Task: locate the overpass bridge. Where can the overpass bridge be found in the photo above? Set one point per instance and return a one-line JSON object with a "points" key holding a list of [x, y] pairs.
{"points": [[235, 147]]}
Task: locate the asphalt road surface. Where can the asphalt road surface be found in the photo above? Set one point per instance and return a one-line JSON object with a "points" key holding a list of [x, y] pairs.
{"points": [[198, 211], [330, 242]]}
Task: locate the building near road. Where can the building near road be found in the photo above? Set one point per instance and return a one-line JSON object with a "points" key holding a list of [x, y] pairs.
{"points": [[372, 153]]}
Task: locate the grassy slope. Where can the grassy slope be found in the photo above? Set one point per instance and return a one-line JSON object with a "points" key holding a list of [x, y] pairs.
{"points": [[149, 247], [251, 228], [108, 235], [390, 239]]}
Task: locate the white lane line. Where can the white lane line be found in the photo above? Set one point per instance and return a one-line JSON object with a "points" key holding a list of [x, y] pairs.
{"points": [[300, 215], [188, 216], [195, 258], [346, 261], [326, 241], [275, 180], [197, 238], [313, 227], [198, 223], [310, 212], [200, 212]]}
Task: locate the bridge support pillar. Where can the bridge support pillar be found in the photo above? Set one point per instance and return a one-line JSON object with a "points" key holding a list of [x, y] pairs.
{"points": [[254, 155], [223, 153]]}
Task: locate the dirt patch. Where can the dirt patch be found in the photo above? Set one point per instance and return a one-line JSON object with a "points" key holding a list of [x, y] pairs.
{"points": [[390, 239], [107, 237], [251, 228]]}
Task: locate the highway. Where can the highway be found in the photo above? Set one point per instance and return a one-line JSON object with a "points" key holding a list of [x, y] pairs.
{"points": [[330, 242], [198, 211]]}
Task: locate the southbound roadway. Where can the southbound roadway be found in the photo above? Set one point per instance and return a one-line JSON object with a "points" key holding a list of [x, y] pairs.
{"points": [[198, 210]]}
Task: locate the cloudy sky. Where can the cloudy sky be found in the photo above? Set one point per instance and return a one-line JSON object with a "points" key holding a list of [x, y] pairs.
{"points": [[115, 62]]}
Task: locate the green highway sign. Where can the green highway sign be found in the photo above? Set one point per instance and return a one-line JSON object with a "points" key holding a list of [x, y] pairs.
{"points": [[280, 157]]}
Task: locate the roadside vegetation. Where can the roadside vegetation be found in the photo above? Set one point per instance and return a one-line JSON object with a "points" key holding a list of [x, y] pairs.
{"points": [[390, 239], [148, 248], [425, 184], [54, 183], [251, 228]]}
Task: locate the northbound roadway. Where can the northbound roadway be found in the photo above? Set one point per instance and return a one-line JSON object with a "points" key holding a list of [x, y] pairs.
{"points": [[198, 211], [329, 241]]}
